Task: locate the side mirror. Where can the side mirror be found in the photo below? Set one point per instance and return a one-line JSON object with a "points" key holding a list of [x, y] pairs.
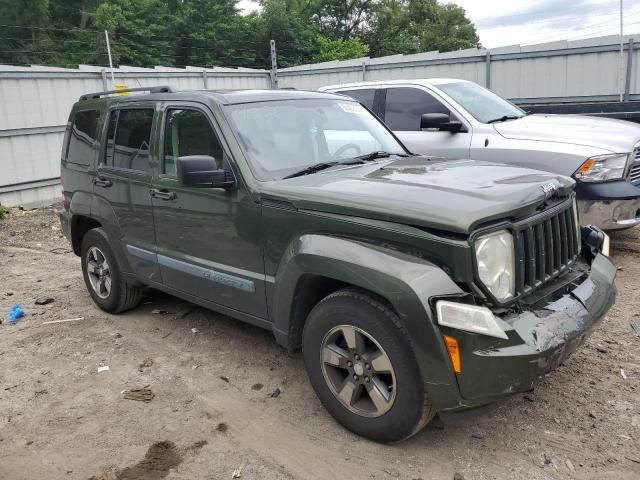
{"points": [[201, 171], [439, 121]]}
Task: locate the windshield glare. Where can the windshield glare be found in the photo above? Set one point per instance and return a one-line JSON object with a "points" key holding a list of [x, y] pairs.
{"points": [[483, 104], [281, 137]]}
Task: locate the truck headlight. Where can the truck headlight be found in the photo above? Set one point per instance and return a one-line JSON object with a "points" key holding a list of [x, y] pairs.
{"points": [[496, 264], [470, 318], [603, 167]]}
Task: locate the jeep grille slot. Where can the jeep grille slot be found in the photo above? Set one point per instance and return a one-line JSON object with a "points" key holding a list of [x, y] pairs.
{"points": [[546, 245]]}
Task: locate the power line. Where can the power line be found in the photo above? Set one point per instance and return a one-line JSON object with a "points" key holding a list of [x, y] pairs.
{"points": [[564, 36]]}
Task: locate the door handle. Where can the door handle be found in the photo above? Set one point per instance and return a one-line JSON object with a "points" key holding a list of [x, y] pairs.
{"points": [[163, 194], [101, 182]]}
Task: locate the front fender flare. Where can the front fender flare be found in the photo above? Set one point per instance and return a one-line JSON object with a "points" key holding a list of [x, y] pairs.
{"points": [[405, 281]]}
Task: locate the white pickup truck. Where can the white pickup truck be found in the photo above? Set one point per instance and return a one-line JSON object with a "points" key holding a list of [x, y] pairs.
{"points": [[459, 119]]}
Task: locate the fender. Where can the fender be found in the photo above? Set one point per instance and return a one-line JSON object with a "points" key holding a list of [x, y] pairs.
{"points": [[103, 212], [406, 282]]}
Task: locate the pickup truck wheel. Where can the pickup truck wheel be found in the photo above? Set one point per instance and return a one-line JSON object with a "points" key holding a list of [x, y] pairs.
{"points": [[360, 363], [102, 275]]}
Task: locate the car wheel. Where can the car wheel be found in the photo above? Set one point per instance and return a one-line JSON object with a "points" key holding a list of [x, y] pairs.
{"points": [[102, 275], [361, 365]]}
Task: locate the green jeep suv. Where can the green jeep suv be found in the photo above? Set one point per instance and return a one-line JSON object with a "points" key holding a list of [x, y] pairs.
{"points": [[412, 285]]}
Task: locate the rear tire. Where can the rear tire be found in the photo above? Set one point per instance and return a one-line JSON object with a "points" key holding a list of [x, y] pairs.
{"points": [[361, 365], [103, 277]]}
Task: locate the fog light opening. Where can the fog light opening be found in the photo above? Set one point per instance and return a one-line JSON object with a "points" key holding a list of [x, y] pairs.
{"points": [[454, 353]]}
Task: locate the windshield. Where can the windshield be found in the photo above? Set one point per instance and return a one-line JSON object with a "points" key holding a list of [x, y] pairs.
{"points": [[283, 136], [483, 104]]}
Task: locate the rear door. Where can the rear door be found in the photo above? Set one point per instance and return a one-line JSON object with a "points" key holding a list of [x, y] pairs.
{"points": [[403, 108], [123, 182], [79, 157], [208, 239]]}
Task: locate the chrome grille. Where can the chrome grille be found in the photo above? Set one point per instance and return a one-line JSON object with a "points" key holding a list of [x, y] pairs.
{"points": [[634, 173], [546, 246]]}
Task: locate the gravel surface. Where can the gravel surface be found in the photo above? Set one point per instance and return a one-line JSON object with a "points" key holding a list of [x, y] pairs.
{"points": [[207, 411]]}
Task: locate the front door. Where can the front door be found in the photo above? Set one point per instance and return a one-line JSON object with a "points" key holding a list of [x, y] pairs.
{"points": [[122, 184], [207, 239], [404, 106]]}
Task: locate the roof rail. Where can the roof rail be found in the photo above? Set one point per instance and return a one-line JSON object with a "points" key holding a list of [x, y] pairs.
{"points": [[158, 89]]}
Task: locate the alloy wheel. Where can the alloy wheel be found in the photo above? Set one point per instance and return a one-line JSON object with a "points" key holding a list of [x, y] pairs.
{"points": [[358, 371], [98, 272]]}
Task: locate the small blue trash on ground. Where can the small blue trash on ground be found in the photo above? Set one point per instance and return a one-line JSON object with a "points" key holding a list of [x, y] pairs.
{"points": [[15, 313]]}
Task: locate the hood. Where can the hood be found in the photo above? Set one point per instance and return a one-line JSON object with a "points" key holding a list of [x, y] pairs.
{"points": [[453, 196], [617, 136]]}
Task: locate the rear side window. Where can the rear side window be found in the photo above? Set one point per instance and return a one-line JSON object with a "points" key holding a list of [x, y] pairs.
{"points": [[188, 132], [83, 144], [365, 96], [129, 139], [405, 106]]}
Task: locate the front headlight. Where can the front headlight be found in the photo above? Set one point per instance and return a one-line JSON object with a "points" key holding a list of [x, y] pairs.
{"points": [[602, 167], [496, 264]]}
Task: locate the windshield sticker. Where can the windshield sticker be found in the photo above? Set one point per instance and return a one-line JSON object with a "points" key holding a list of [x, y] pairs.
{"points": [[351, 107]]}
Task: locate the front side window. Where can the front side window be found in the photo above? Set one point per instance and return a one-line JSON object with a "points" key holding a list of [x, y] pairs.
{"points": [[405, 106], [283, 136], [83, 142], [129, 139], [483, 104], [188, 132]]}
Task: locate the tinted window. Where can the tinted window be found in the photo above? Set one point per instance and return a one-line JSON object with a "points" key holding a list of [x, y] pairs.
{"points": [[129, 138], [364, 96], [405, 106], [188, 132], [83, 137]]}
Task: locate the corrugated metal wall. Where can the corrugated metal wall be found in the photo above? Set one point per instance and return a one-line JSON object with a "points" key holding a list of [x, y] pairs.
{"points": [[35, 103], [546, 71]]}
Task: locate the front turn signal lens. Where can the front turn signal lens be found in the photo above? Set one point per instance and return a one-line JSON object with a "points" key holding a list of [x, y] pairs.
{"points": [[586, 167], [454, 353]]}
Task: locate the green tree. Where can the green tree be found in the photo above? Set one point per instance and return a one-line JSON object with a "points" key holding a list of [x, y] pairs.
{"points": [[26, 40], [339, 49], [342, 19], [412, 26], [289, 24]]}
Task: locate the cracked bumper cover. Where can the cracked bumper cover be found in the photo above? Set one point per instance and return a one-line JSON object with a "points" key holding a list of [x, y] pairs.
{"points": [[538, 342]]}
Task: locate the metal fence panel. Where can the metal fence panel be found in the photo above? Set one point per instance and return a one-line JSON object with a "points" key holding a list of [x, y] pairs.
{"points": [[35, 104], [35, 101]]}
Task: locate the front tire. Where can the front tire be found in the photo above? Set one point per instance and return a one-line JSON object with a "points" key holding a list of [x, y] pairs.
{"points": [[102, 275], [361, 365]]}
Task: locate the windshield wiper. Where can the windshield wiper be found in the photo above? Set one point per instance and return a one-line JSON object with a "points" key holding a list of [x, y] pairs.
{"points": [[504, 118], [347, 161], [376, 155], [316, 167]]}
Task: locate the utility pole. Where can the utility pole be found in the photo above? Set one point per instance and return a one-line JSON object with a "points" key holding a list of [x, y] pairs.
{"points": [[621, 61], [113, 82]]}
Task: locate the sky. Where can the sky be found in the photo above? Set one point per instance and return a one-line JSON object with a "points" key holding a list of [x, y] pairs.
{"points": [[500, 23]]}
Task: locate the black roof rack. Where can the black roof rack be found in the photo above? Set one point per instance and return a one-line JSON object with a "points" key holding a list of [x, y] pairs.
{"points": [[159, 89]]}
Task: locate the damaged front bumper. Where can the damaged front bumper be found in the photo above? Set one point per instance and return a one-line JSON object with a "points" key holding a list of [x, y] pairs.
{"points": [[538, 340]]}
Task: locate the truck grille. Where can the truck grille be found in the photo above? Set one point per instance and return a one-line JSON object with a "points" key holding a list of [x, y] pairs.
{"points": [[634, 173], [546, 245]]}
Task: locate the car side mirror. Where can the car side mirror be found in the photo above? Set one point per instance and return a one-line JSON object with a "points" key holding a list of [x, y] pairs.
{"points": [[439, 121], [202, 171]]}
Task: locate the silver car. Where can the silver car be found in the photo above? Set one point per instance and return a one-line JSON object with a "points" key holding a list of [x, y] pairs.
{"points": [[459, 119]]}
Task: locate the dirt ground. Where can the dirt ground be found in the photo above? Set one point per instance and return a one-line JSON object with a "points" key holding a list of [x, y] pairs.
{"points": [[213, 414]]}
